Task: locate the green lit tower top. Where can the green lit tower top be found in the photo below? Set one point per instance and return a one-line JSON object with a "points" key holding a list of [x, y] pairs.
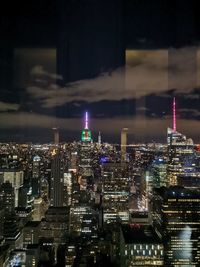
{"points": [[86, 133]]}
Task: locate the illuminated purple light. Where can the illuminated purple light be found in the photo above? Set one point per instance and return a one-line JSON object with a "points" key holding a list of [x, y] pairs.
{"points": [[86, 120], [104, 159], [174, 114]]}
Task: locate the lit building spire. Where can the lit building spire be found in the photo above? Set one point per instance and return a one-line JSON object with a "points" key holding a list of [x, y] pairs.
{"points": [[86, 120], [99, 138], [86, 133], [174, 114]]}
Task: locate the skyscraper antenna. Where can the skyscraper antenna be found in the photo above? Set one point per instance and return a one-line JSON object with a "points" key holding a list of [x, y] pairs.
{"points": [[174, 114], [86, 120]]}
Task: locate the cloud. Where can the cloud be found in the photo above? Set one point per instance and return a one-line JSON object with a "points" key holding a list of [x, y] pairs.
{"points": [[194, 113], [40, 71], [154, 71], [190, 96], [8, 106]]}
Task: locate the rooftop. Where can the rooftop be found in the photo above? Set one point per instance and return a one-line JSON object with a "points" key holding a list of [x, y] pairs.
{"points": [[136, 233], [177, 192], [32, 224]]}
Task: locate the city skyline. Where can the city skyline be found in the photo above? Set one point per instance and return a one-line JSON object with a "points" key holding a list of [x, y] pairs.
{"points": [[171, 122], [99, 133], [57, 61]]}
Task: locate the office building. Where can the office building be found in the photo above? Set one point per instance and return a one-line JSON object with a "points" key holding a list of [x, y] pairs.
{"points": [[25, 199], [31, 233], [36, 176], [115, 192], [140, 246], [159, 172], [56, 184], [39, 209], [56, 224], [12, 233], [32, 255], [16, 178], [83, 221], [1, 224], [67, 189], [181, 153], [176, 219]]}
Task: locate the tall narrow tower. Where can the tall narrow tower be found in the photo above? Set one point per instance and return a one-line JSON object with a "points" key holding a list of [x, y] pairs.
{"points": [[56, 136], [123, 143], [99, 138], [56, 191], [174, 114]]}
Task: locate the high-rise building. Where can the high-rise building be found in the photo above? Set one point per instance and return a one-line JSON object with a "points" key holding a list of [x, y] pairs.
{"points": [[73, 164], [16, 178], [85, 149], [181, 153], [35, 181], [56, 136], [32, 255], [86, 133], [7, 202], [31, 233], [7, 198], [83, 221], [176, 219], [56, 184], [25, 197], [67, 186], [140, 246], [123, 143], [1, 224], [159, 172], [56, 224], [39, 209], [116, 190]]}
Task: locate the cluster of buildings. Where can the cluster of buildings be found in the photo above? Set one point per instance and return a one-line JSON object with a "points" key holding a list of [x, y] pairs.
{"points": [[90, 203]]}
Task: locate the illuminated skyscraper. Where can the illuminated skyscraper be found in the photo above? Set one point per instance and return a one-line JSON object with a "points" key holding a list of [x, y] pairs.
{"points": [[181, 154], [7, 202], [35, 181], [56, 191], [116, 190], [140, 246], [85, 148], [16, 178], [86, 133], [176, 217]]}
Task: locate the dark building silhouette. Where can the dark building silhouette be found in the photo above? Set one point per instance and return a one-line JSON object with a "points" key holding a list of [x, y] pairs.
{"points": [[35, 181], [7, 202], [56, 190]]}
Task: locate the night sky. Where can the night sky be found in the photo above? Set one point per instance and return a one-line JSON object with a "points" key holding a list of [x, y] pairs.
{"points": [[122, 61]]}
